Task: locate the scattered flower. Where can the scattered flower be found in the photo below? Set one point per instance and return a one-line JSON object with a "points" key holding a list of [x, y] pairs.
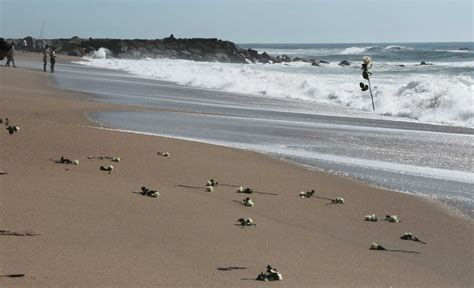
{"points": [[338, 200], [307, 194], [149, 192], [248, 202], [271, 274], [409, 236], [164, 154], [246, 190], [371, 218], [212, 182], [392, 218], [246, 222], [376, 246], [108, 168]]}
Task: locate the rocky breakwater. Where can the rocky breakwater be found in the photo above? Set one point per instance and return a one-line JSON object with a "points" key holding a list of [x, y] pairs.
{"points": [[197, 49]]}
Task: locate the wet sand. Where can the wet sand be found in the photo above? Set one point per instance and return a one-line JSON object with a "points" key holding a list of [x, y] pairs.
{"points": [[95, 231]]}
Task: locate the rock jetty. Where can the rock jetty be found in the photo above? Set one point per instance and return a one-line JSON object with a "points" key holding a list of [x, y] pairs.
{"points": [[197, 49]]}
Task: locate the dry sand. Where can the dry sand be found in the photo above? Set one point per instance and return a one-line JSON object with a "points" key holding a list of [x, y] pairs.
{"points": [[96, 232]]}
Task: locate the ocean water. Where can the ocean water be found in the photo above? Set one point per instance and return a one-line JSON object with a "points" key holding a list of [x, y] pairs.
{"points": [[440, 93], [419, 140]]}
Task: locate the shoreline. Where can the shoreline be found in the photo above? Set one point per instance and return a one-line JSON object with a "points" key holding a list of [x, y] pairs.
{"points": [[94, 204], [455, 211]]}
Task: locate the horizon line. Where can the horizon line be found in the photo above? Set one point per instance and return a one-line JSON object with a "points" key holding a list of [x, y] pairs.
{"points": [[252, 43]]}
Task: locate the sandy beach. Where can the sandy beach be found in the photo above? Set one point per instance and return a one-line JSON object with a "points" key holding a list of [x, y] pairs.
{"points": [[96, 232]]}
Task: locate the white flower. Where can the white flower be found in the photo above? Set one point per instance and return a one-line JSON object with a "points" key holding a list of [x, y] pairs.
{"points": [[367, 60], [241, 189], [209, 188], [75, 162], [339, 200], [116, 159], [248, 203]]}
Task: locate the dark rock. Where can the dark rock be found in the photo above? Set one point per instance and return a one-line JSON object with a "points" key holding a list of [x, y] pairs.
{"points": [[252, 53], [323, 62], [344, 63], [197, 49], [30, 43], [265, 58], [425, 63], [89, 49], [299, 59], [75, 52], [284, 58]]}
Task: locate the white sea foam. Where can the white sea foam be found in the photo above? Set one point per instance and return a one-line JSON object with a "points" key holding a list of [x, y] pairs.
{"points": [[354, 50], [456, 51], [99, 54], [436, 98]]}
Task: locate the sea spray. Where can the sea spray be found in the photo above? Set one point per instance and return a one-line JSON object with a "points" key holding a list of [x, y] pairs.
{"points": [[101, 53]]}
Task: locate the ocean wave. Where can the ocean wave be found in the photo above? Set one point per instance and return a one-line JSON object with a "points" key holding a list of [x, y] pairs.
{"points": [[396, 48], [356, 50], [432, 98]]}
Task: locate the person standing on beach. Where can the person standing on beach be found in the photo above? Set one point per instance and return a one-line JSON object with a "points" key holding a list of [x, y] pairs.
{"points": [[45, 58], [11, 56], [52, 58]]}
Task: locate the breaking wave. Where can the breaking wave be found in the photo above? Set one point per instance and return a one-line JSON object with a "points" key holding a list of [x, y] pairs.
{"points": [[436, 98]]}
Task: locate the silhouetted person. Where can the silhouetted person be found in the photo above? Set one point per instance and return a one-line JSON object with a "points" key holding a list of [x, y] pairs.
{"points": [[45, 58], [52, 58], [11, 56]]}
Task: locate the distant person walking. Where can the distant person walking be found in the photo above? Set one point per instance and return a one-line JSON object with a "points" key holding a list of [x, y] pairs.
{"points": [[45, 58], [11, 56], [52, 58]]}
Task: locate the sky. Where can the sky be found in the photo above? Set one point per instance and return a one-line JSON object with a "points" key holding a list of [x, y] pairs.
{"points": [[244, 21]]}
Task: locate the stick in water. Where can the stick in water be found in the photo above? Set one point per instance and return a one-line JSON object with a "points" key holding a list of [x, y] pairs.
{"points": [[371, 95]]}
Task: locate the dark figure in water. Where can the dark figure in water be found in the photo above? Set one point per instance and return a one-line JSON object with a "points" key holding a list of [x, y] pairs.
{"points": [[52, 58]]}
